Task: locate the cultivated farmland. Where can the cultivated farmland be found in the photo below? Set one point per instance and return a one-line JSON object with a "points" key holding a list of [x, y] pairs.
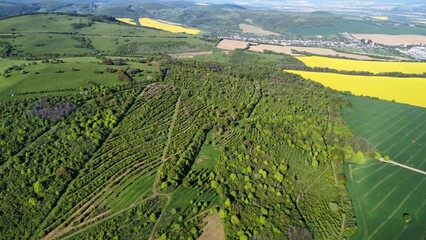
{"points": [[127, 20], [148, 22], [404, 90], [393, 40], [383, 193], [364, 66], [381, 18]]}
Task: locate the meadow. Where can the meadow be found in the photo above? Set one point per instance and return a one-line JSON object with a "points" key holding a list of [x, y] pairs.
{"points": [[148, 22], [55, 76], [364, 66], [403, 90], [382, 193]]}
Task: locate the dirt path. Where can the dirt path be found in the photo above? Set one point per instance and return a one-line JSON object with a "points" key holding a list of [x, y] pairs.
{"points": [[403, 166]]}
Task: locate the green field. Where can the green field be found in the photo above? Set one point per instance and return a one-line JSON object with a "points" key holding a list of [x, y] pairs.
{"points": [[68, 74], [382, 193], [64, 35]]}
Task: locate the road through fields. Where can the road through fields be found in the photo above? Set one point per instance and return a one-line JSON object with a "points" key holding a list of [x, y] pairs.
{"points": [[403, 166]]}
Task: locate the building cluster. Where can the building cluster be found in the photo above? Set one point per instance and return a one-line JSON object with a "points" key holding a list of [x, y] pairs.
{"points": [[347, 41], [418, 53]]}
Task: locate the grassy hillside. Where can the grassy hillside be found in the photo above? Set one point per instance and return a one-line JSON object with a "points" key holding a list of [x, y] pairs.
{"points": [[66, 35], [22, 78], [383, 193]]}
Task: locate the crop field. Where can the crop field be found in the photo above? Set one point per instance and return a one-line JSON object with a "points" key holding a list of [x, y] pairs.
{"points": [[383, 193], [127, 20], [393, 40], [27, 77], [381, 18], [364, 66], [148, 22], [232, 44], [404, 90]]}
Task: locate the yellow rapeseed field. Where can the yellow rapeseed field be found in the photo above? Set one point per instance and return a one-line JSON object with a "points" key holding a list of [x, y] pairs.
{"points": [[382, 18], [404, 90], [148, 22], [364, 66], [127, 20]]}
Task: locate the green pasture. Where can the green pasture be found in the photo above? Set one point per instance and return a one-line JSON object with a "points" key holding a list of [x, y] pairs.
{"points": [[382, 193], [74, 73], [207, 156]]}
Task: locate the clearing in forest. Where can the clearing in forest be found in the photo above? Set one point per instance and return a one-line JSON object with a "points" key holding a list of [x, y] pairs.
{"points": [[402, 90], [148, 22], [382, 193], [364, 66]]}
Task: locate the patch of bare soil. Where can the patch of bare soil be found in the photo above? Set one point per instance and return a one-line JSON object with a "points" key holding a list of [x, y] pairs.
{"points": [[232, 44], [214, 229], [393, 40]]}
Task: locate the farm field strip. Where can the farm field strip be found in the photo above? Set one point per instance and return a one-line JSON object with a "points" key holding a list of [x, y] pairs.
{"points": [[393, 40], [402, 90], [148, 22], [127, 20], [364, 66]]}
